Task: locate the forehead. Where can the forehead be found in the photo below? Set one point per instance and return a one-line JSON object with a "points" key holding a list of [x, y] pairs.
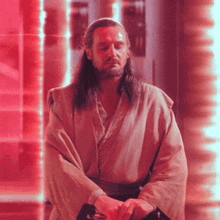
{"points": [[109, 34]]}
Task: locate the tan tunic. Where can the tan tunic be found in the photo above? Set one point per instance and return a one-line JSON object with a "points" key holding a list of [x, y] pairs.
{"points": [[86, 144]]}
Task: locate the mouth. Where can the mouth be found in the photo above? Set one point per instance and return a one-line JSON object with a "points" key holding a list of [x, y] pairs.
{"points": [[112, 62]]}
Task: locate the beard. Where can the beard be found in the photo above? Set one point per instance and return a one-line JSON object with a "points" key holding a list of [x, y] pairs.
{"points": [[109, 74]]}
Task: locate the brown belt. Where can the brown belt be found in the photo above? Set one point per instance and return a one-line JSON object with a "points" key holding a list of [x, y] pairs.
{"points": [[116, 188]]}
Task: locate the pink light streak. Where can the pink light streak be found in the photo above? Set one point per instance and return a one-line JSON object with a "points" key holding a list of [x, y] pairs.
{"points": [[68, 74], [213, 130]]}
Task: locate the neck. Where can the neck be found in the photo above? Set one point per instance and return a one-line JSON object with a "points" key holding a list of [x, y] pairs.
{"points": [[109, 96], [110, 86]]}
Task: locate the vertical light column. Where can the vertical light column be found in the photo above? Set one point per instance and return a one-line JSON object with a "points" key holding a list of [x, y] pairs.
{"points": [[117, 10], [213, 130], [41, 195], [199, 110], [111, 8], [22, 195], [31, 144], [68, 74]]}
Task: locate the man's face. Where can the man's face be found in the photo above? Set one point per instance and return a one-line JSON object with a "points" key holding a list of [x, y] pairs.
{"points": [[109, 51]]}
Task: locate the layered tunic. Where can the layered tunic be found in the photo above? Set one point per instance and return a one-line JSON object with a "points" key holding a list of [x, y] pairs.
{"points": [[86, 144]]}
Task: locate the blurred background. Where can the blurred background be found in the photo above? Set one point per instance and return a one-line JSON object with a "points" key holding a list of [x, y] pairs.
{"points": [[174, 45]]}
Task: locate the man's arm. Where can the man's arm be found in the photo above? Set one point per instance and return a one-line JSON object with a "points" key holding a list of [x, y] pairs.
{"points": [[108, 206], [131, 209], [167, 186], [68, 188]]}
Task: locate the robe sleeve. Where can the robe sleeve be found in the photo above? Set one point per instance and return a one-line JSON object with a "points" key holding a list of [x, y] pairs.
{"points": [[167, 186], [67, 186]]}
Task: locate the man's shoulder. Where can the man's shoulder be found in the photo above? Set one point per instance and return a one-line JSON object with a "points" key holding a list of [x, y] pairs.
{"points": [[155, 95], [63, 89], [146, 87], [61, 94]]}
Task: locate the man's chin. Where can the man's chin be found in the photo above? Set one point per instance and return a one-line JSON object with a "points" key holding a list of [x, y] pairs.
{"points": [[110, 74]]}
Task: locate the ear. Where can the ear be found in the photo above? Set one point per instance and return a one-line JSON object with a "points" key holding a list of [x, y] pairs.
{"points": [[88, 53]]}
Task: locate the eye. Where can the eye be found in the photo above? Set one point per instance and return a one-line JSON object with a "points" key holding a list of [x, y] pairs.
{"points": [[119, 46], [103, 48]]}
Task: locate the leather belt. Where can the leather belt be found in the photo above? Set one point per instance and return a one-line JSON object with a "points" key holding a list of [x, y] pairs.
{"points": [[116, 188]]}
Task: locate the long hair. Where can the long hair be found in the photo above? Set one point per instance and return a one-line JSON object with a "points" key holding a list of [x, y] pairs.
{"points": [[88, 82]]}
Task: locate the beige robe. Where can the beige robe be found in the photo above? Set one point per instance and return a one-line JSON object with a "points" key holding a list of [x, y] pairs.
{"points": [[79, 146]]}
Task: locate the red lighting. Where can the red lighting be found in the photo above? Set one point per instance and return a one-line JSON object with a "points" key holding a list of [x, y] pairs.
{"points": [[21, 108], [31, 64]]}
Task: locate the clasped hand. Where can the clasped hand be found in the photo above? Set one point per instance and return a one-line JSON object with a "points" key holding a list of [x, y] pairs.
{"points": [[132, 209]]}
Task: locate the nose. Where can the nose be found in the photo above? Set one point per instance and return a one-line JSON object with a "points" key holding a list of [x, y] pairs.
{"points": [[112, 51]]}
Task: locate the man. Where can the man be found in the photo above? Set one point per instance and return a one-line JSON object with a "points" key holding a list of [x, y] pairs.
{"points": [[107, 133]]}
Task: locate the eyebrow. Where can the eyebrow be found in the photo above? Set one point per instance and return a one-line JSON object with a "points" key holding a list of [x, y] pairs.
{"points": [[104, 43]]}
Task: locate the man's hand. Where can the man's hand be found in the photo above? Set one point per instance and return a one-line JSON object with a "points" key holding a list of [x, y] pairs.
{"points": [[108, 206], [134, 209]]}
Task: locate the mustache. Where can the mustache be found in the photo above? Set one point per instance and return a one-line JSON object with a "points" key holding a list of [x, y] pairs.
{"points": [[113, 60]]}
